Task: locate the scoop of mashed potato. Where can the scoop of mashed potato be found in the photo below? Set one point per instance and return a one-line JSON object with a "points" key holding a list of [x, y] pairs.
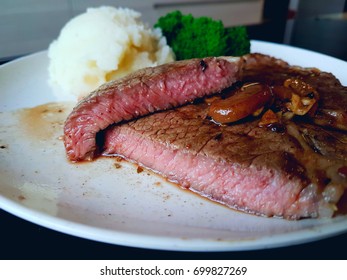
{"points": [[100, 45]]}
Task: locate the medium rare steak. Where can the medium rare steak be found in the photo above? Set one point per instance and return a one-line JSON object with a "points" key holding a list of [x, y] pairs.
{"points": [[145, 91], [273, 144], [242, 166]]}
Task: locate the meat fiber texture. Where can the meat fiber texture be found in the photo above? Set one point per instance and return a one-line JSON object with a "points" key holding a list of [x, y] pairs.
{"points": [[101, 45], [142, 92], [296, 174], [239, 165]]}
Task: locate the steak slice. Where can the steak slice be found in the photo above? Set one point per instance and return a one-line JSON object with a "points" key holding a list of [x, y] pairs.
{"points": [[300, 172], [145, 91], [242, 166]]}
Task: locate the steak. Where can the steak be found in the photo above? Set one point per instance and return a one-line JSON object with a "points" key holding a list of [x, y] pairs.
{"points": [[242, 166], [295, 167], [143, 92], [332, 110]]}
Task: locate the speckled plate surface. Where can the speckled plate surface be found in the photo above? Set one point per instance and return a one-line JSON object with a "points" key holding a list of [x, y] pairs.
{"points": [[115, 202]]}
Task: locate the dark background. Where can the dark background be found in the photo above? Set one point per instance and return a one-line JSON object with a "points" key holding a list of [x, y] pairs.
{"points": [[24, 240]]}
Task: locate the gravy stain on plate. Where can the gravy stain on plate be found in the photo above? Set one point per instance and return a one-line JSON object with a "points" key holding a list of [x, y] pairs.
{"points": [[44, 121]]}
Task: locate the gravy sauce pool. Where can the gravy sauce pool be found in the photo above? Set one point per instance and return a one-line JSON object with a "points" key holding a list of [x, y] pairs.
{"points": [[44, 121]]}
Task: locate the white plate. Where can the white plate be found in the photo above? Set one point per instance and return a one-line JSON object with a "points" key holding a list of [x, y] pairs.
{"points": [[101, 202]]}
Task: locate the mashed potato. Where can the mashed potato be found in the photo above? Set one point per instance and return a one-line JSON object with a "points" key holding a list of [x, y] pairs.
{"points": [[103, 44]]}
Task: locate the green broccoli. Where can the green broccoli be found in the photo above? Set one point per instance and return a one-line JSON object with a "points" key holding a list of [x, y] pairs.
{"points": [[191, 37]]}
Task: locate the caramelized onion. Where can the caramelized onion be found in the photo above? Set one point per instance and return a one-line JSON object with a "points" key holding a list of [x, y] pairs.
{"points": [[244, 102], [268, 118], [301, 88], [297, 96]]}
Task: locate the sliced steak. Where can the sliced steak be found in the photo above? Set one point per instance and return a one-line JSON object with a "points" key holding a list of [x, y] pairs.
{"points": [[242, 166], [143, 92], [296, 168], [299, 171]]}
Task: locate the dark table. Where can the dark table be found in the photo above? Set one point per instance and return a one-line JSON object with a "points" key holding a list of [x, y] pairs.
{"points": [[23, 240]]}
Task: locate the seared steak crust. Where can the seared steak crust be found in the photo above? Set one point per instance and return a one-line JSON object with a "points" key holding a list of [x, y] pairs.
{"points": [[332, 110]]}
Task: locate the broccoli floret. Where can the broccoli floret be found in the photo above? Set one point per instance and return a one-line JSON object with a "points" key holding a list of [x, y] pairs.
{"points": [[237, 41], [191, 37]]}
